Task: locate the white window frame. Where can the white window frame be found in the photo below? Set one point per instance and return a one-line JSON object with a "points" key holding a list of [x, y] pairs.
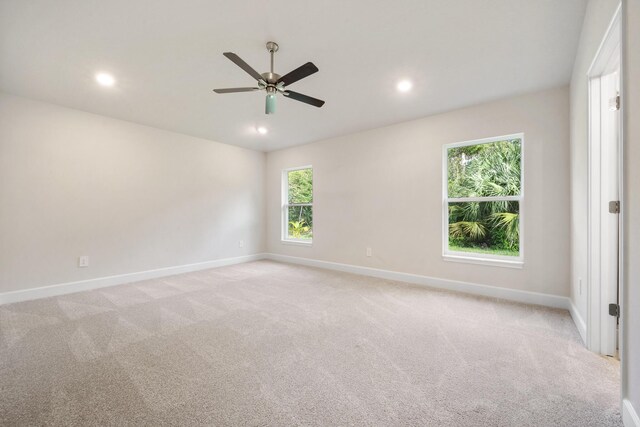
{"points": [[479, 258], [285, 207]]}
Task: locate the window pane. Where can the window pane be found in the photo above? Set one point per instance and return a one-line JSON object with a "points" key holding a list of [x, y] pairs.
{"points": [[300, 222], [300, 186], [485, 227], [483, 170]]}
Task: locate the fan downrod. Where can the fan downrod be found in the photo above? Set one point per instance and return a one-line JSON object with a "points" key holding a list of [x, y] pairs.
{"points": [[271, 78]]}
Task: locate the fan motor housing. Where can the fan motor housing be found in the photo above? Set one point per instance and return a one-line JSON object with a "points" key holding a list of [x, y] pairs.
{"points": [[270, 78]]}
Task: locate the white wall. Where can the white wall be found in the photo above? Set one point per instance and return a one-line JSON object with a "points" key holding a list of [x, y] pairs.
{"points": [[383, 188], [631, 207], [133, 198], [596, 21]]}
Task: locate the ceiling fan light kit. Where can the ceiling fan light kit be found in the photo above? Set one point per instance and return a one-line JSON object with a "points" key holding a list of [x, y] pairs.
{"points": [[270, 104], [273, 83]]}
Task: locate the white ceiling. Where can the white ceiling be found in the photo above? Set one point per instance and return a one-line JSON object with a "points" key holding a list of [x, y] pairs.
{"points": [[167, 57]]}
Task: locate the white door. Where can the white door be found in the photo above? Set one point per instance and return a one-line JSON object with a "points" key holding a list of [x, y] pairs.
{"points": [[605, 167], [610, 177]]}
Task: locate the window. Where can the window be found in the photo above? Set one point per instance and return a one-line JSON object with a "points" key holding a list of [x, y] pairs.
{"points": [[297, 205], [483, 195]]}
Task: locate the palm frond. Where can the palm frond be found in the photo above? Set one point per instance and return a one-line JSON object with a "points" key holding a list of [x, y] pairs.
{"points": [[509, 222], [467, 229]]}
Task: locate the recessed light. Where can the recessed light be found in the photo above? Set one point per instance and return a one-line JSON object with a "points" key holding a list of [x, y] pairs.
{"points": [[404, 85], [105, 79], [262, 130]]}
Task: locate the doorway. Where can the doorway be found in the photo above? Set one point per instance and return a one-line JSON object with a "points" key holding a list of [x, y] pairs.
{"points": [[605, 167]]}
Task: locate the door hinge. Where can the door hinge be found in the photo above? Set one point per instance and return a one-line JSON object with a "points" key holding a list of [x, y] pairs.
{"points": [[614, 207], [614, 310], [614, 103]]}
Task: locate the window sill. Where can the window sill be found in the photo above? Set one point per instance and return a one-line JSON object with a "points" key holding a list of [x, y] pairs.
{"points": [[296, 242], [484, 261]]}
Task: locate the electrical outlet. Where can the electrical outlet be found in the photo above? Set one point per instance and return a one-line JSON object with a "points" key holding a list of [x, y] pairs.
{"points": [[368, 251], [241, 244], [83, 261]]}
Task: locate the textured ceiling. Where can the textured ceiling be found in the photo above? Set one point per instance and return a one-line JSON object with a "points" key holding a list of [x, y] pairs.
{"points": [[167, 57]]}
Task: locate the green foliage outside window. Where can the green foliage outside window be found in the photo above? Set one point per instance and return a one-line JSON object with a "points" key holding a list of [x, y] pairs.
{"points": [[485, 170], [300, 191], [300, 186]]}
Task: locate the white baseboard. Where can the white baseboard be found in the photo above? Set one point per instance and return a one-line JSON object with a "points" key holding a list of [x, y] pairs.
{"points": [[629, 415], [526, 297], [102, 282], [579, 321]]}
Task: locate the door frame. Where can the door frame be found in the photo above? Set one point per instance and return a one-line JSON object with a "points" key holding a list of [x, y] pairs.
{"points": [[599, 323]]}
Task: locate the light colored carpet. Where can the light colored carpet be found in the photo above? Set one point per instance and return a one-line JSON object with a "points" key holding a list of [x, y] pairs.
{"points": [[266, 343]]}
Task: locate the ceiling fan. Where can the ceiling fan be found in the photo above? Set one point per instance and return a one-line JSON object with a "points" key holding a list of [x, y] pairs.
{"points": [[273, 83]]}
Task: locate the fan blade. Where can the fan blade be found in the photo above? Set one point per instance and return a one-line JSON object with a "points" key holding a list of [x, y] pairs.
{"points": [[240, 63], [304, 98], [236, 89], [299, 73]]}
